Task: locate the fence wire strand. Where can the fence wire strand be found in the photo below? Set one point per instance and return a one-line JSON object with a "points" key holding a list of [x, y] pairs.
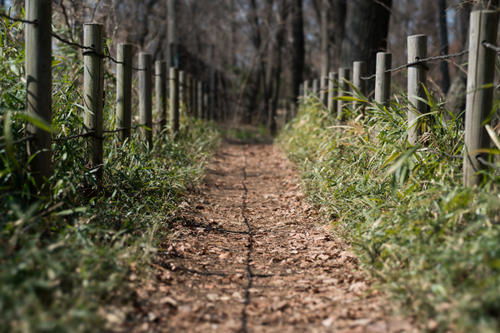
{"points": [[419, 62]]}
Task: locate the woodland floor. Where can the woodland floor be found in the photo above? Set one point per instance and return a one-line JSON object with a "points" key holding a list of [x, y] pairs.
{"points": [[249, 254]]}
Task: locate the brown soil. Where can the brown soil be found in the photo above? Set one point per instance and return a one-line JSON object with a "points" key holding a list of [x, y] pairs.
{"points": [[248, 254]]}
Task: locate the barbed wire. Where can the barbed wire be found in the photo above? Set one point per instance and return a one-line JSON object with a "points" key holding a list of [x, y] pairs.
{"points": [[419, 62], [487, 164], [76, 136], [491, 47], [89, 49], [17, 19]]}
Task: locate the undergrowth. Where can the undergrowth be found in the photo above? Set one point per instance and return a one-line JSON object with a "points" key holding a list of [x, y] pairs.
{"points": [[431, 242], [65, 257]]}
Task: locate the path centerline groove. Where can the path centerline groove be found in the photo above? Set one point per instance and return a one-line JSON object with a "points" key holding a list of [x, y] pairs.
{"points": [[280, 269], [250, 245]]}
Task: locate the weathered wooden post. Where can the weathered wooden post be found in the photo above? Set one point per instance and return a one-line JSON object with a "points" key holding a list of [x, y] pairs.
{"points": [[307, 89], [324, 90], [124, 90], [358, 72], [39, 85], [146, 97], [161, 92], [93, 87], [192, 97], [174, 101], [195, 97], [206, 110], [315, 88], [383, 78], [344, 89], [182, 91], [417, 49], [480, 90], [200, 99], [332, 93]]}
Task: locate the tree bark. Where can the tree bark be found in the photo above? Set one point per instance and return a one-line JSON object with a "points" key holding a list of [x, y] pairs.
{"points": [[443, 39], [297, 48], [366, 31]]}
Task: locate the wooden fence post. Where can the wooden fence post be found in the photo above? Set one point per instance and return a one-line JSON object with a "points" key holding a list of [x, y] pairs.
{"points": [[93, 83], [161, 92], [344, 89], [358, 72], [182, 91], [323, 94], [195, 97], [306, 89], [200, 99], [417, 49], [146, 97], [174, 101], [480, 90], [192, 98], [332, 93], [383, 78], [205, 103], [124, 90], [39, 85], [315, 88]]}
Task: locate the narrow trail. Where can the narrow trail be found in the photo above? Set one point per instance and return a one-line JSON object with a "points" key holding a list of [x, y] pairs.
{"points": [[248, 254]]}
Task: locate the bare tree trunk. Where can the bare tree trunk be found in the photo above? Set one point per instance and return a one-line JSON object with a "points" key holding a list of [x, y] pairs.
{"points": [[277, 71], [366, 31], [337, 29], [298, 47], [325, 54], [443, 38]]}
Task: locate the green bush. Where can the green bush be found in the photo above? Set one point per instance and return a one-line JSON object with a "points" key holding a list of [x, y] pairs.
{"points": [[430, 241]]}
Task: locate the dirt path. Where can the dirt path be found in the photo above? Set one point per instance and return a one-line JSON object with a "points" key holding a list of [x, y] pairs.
{"points": [[248, 255]]}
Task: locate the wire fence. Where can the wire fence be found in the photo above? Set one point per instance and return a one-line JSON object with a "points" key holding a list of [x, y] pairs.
{"points": [[88, 50], [419, 62]]}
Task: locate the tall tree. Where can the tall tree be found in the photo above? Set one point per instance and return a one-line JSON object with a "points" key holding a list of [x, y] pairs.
{"points": [[443, 39], [298, 50], [366, 31]]}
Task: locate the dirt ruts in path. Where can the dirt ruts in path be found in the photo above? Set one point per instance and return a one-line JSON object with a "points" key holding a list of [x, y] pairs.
{"points": [[248, 254]]}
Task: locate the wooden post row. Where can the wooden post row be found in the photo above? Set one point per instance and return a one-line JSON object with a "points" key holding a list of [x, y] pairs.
{"points": [[93, 87], [480, 90], [39, 86]]}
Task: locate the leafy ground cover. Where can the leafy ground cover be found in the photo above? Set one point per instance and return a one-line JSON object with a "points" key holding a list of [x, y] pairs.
{"points": [[66, 256], [431, 242]]}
